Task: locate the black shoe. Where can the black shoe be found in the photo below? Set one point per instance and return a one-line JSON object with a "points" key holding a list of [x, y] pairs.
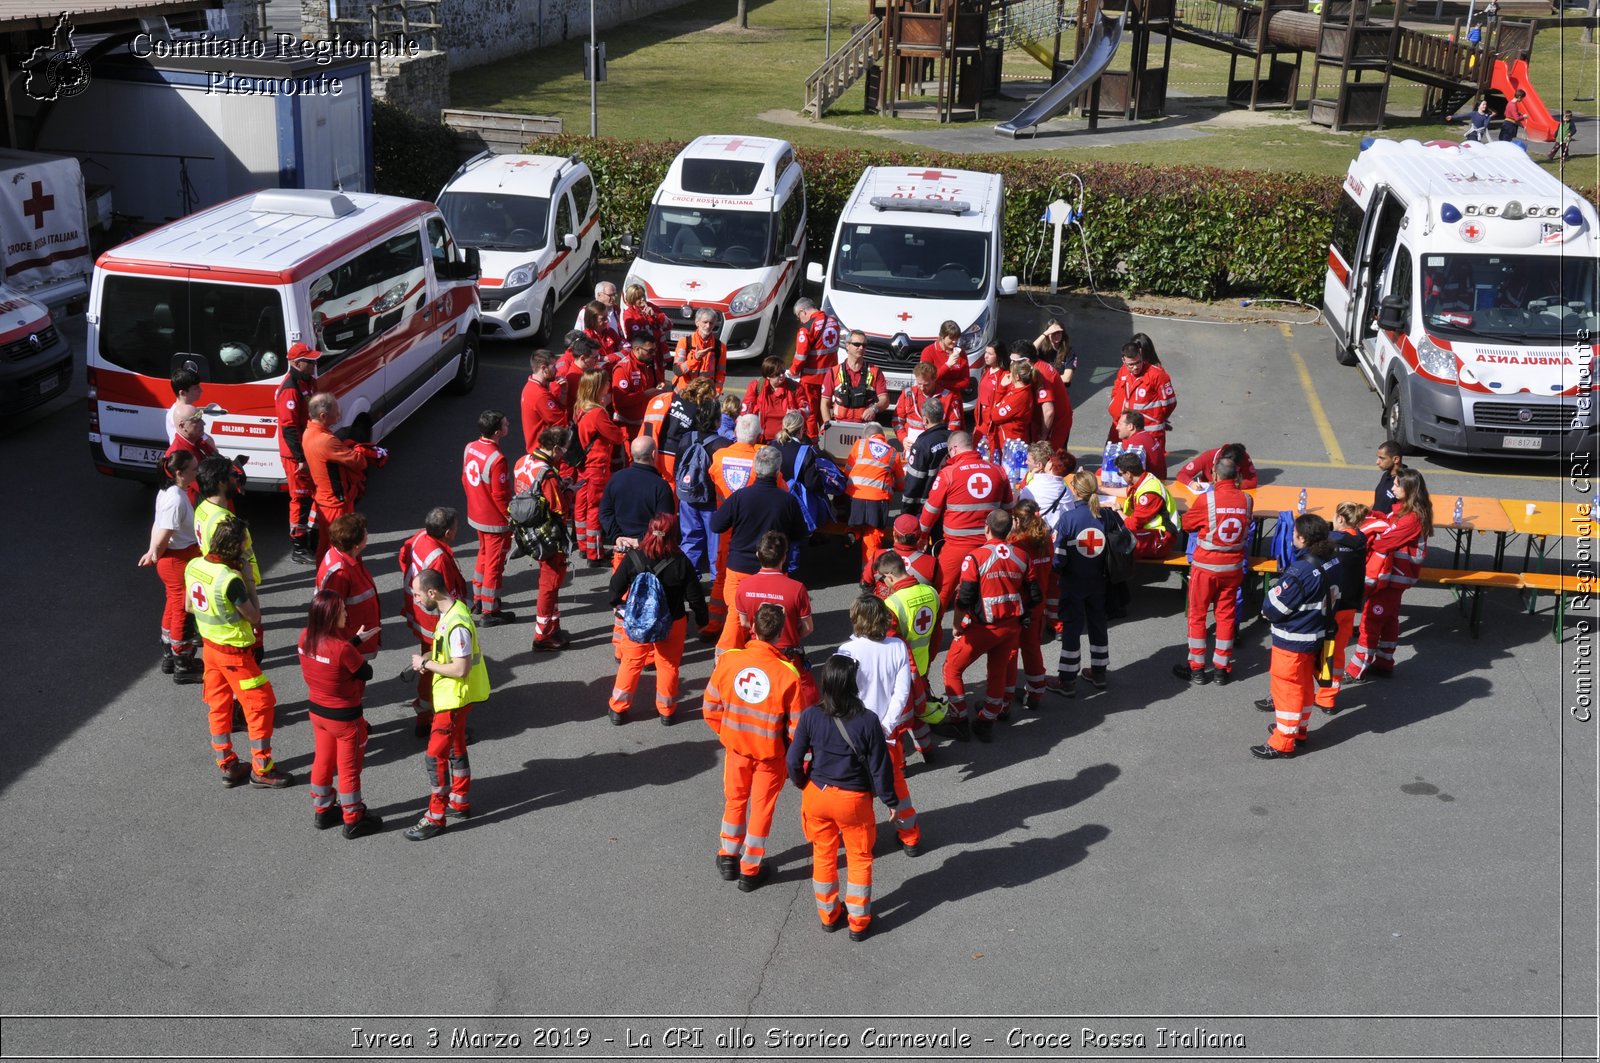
{"points": [[1328, 710], [927, 754], [496, 618], [955, 730], [1264, 705], [423, 831], [1096, 678], [421, 729], [301, 556], [167, 659], [272, 779], [912, 851], [751, 883], [1034, 702], [1196, 676], [234, 774], [367, 824], [458, 814], [618, 718], [669, 720], [1266, 752], [477, 608], [839, 921], [727, 867], [1224, 676], [328, 817], [983, 730], [861, 935], [1069, 686], [187, 671]]}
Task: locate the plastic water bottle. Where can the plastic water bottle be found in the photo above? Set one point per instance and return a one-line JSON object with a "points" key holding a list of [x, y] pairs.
{"points": [[1302, 506], [1457, 519]]}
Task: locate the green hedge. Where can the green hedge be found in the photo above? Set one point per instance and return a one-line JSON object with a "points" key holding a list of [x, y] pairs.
{"points": [[411, 157]]}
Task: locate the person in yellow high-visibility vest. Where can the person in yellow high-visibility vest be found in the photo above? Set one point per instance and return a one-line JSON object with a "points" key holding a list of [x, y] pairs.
{"points": [[227, 613], [460, 681]]}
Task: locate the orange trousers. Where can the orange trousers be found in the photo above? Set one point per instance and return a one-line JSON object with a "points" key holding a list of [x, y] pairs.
{"points": [[905, 813], [750, 788], [233, 674], [733, 634], [717, 604], [871, 543], [668, 655], [1346, 621], [1294, 691], [830, 815]]}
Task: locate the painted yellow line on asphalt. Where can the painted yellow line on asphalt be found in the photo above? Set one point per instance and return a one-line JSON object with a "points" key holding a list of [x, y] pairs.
{"points": [[1319, 416]]}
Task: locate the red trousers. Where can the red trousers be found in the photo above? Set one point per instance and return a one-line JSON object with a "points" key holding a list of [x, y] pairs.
{"points": [[340, 747], [830, 816], [446, 765], [750, 788], [324, 516], [547, 614], [1218, 591], [1294, 691], [1380, 632], [668, 656], [951, 555], [232, 674], [493, 550], [425, 688], [586, 511], [302, 514], [996, 643], [733, 635], [1153, 543], [1346, 621], [169, 566], [1030, 654]]}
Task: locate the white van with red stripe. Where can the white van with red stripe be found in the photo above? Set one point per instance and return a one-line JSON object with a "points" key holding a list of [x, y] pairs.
{"points": [[376, 283], [1463, 280], [535, 220], [727, 231]]}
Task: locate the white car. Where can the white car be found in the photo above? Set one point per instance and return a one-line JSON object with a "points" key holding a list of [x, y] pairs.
{"points": [[535, 222]]}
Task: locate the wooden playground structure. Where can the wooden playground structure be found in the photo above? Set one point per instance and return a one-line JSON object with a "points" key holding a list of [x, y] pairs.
{"points": [[940, 59]]}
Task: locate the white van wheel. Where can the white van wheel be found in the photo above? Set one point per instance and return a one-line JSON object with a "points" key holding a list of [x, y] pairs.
{"points": [[1394, 419], [467, 370], [547, 321]]}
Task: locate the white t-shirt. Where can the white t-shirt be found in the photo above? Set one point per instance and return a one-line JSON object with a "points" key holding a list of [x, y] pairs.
{"points": [[172, 425], [460, 642], [176, 514], [883, 678], [1055, 502]]}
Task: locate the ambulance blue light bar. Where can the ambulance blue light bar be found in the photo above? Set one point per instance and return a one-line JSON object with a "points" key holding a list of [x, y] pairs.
{"points": [[925, 206], [1449, 214], [1573, 216]]}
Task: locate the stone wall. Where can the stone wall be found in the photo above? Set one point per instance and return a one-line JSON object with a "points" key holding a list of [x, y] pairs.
{"points": [[419, 85]]}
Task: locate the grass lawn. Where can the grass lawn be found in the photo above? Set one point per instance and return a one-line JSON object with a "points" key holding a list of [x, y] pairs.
{"points": [[688, 71]]}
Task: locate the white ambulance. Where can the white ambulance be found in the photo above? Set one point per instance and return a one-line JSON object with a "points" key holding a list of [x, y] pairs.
{"points": [[917, 247], [375, 283], [1462, 280], [726, 232]]}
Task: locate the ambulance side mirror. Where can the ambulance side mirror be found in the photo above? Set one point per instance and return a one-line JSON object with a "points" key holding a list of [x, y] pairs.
{"points": [[471, 264], [813, 272], [1008, 286], [1393, 313]]}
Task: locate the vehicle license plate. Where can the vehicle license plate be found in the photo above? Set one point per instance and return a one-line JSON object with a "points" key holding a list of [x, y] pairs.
{"points": [[142, 455], [1522, 443]]}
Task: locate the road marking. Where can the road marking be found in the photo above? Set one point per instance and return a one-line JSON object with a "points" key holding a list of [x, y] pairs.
{"points": [[1078, 447], [1318, 414]]}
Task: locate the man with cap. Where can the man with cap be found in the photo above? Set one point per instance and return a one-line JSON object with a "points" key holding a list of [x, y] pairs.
{"points": [[920, 566], [293, 404]]}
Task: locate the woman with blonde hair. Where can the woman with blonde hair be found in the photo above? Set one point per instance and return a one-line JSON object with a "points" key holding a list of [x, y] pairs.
{"points": [[638, 315], [1031, 535], [600, 437], [1081, 562]]}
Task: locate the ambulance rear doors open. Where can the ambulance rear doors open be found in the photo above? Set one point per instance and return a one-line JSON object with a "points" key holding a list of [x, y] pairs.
{"points": [[374, 282]]}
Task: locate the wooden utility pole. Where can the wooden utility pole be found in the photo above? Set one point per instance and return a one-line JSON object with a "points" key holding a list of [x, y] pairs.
{"points": [[743, 16]]}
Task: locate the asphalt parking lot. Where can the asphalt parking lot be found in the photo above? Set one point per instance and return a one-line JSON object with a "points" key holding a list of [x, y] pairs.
{"points": [[1422, 884]]}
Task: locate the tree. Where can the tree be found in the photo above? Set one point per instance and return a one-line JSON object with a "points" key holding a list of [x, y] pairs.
{"points": [[1587, 37], [743, 16]]}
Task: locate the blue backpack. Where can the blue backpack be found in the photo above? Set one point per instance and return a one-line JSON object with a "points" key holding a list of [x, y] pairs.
{"points": [[645, 616], [817, 511], [1283, 541], [693, 472]]}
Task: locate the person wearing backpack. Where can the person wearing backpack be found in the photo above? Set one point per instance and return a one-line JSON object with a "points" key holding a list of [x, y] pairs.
{"points": [[657, 584], [633, 497], [750, 511], [1081, 553], [1300, 609], [540, 470], [697, 498]]}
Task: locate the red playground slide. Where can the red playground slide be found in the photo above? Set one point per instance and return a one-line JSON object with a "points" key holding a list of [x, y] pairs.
{"points": [[1540, 124]]}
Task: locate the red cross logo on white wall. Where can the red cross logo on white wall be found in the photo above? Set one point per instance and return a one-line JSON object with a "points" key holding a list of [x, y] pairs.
{"points": [[1471, 232], [903, 316], [691, 285], [37, 205]]}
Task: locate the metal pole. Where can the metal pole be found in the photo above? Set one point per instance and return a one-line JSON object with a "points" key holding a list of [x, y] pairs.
{"points": [[594, 78]]}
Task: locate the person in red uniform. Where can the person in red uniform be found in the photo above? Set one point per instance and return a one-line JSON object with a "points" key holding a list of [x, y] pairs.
{"points": [[1052, 406], [633, 381], [774, 395], [920, 566], [964, 492], [344, 573], [1197, 470], [542, 404], [1394, 558], [336, 677], [639, 315], [293, 403], [599, 436], [487, 483], [338, 467], [771, 584], [1031, 536], [1142, 385], [874, 473], [816, 351], [432, 549], [1011, 413], [580, 357], [1132, 433], [598, 328], [701, 353], [542, 467], [191, 439], [856, 391], [991, 367], [909, 421], [1148, 510], [954, 370], [1221, 518], [994, 592]]}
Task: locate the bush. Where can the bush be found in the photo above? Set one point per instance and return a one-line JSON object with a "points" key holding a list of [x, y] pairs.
{"points": [[411, 157]]}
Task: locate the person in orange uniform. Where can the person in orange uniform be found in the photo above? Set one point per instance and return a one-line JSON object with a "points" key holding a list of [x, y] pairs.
{"points": [[701, 353], [732, 467], [856, 391], [338, 468], [431, 548], [599, 436], [1394, 558], [909, 422], [542, 405], [293, 400], [1148, 510], [837, 774], [1350, 545], [487, 483], [1142, 385], [762, 505], [1221, 518], [633, 380], [658, 553], [1031, 536], [995, 590], [964, 492], [752, 703], [654, 425], [1300, 609], [227, 614], [774, 395], [874, 473], [816, 351], [342, 572], [540, 467], [953, 371]]}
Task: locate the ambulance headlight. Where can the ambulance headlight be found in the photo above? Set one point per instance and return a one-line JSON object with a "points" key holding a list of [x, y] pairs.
{"points": [[520, 277], [972, 340], [1435, 360], [746, 300]]}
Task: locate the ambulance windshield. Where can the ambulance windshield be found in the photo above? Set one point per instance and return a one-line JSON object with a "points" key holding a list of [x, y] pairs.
{"points": [[491, 221], [1514, 298], [917, 263], [694, 236], [228, 333]]}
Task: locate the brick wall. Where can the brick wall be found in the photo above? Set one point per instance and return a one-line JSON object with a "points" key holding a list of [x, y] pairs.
{"points": [[419, 85]]}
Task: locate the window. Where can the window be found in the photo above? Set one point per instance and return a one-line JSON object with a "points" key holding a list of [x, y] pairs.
{"points": [[741, 239], [442, 247], [565, 223], [490, 221], [583, 195], [1510, 298], [366, 296], [721, 177], [915, 263], [1401, 276], [1346, 228], [233, 333], [791, 228]]}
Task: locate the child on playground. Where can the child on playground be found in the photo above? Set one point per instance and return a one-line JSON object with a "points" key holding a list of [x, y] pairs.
{"points": [[1566, 129]]}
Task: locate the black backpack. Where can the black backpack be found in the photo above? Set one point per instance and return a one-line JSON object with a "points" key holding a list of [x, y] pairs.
{"points": [[1119, 547], [539, 531]]}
